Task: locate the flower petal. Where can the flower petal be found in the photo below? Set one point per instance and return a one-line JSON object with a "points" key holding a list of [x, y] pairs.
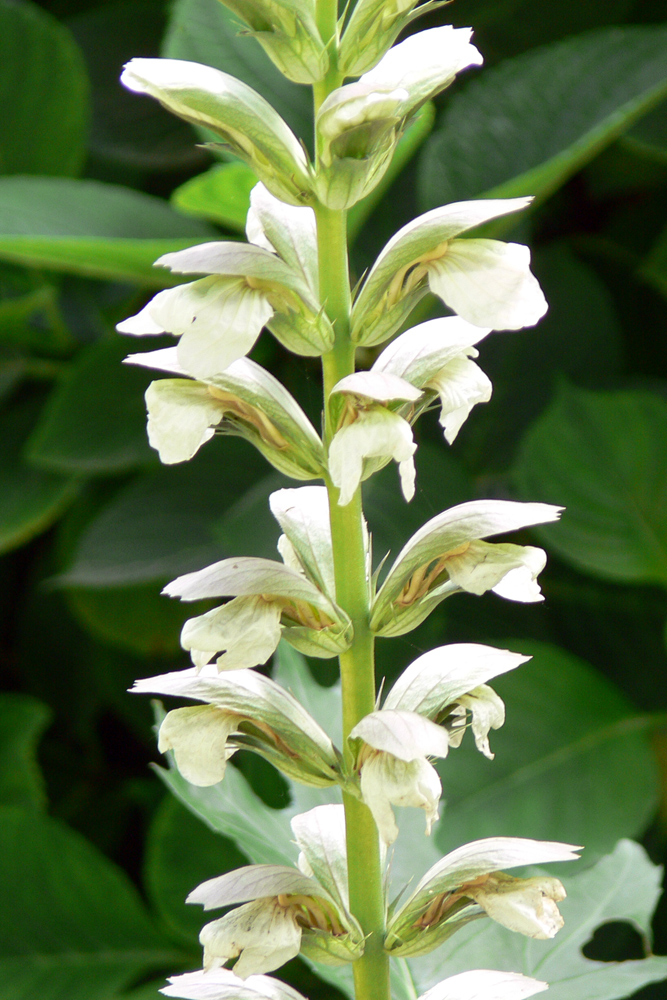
{"points": [[263, 933], [386, 780], [423, 350], [481, 983], [222, 984], [406, 735], [198, 736], [509, 570], [488, 283], [377, 433], [246, 628]]}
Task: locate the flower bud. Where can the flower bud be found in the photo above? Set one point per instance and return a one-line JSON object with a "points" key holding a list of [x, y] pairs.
{"points": [[288, 34]]}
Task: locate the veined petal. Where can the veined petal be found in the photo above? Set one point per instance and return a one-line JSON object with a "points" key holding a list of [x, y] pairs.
{"points": [[263, 933], [182, 416], [198, 736], [488, 712], [480, 983], [320, 835], [488, 283], [246, 628], [377, 385], [243, 885], [303, 514], [405, 735], [376, 433], [443, 675], [222, 984], [387, 781], [461, 384], [425, 63], [424, 350], [525, 905], [509, 570]]}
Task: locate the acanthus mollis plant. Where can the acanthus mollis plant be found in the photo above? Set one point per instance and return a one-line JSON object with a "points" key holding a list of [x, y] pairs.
{"points": [[322, 595]]}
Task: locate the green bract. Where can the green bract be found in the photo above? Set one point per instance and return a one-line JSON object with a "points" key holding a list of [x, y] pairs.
{"points": [[288, 34], [245, 121]]}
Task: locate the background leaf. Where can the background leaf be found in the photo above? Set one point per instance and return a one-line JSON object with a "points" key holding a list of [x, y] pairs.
{"points": [[569, 737], [72, 924], [45, 94], [526, 126], [22, 722], [90, 228], [602, 455], [622, 886], [30, 499]]}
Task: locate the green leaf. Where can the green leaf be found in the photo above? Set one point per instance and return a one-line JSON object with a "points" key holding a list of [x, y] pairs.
{"points": [[44, 89], [601, 455], [30, 499], [622, 886], [165, 522], [649, 136], [95, 420], [527, 125], [91, 228], [570, 737], [580, 337], [22, 722], [71, 923], [125, 130], [653, 268], [205, 32], [138, 619], [181, 852], [221, 194], [232, 808]]}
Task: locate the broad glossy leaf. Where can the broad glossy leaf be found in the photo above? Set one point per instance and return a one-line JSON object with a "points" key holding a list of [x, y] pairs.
{"points": [[625, 885], [166, 522], [22, 721], [182, 852], [45, 94], [221, 194], [124, 129], [71, 923], [580, 337], [525, 126], [30, 499], [569, 737], [138, 618], [95, 419], [91, 228], [208, 33], [603, 456]]}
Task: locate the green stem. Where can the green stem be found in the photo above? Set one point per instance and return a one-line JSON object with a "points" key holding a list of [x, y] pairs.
{"points": [[357, 665]]}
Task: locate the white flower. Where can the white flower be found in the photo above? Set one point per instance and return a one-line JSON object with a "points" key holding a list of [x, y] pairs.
{"points": [[218, 319], [394, 766], [246, 628], [525, 905], [198, 736], [480, 983], [454, 889], [222, 984], [370, 430], [486, 282], [264, 933]]}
